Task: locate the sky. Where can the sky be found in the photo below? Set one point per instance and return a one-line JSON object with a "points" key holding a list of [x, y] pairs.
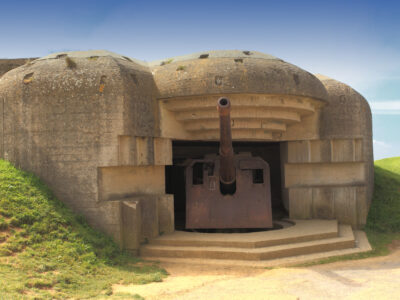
{"points": [[356, 42]]}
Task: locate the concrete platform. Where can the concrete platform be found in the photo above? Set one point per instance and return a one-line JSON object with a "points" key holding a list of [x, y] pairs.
{"points": [[301, 231], [306, 241]]}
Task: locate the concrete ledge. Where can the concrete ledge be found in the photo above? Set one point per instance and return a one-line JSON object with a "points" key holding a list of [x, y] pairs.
{"points": [[324, 174]]}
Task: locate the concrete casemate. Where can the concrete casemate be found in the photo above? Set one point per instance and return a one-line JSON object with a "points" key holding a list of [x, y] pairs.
{"points": [[102, 130]]}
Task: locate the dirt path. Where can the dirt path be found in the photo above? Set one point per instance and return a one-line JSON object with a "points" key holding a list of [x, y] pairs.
{"points": [[373, 278]]}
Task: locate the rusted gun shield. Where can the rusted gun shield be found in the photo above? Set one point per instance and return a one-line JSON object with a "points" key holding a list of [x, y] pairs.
{"points": [[228, 190], [248, 207]]}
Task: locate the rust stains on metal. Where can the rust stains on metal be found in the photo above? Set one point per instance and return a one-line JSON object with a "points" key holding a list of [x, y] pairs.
{"points": [[227, 174], [228, 190]]}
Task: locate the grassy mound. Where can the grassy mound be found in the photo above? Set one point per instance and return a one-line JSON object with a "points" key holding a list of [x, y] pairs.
{"points": [[48, 252], [383, 224]]}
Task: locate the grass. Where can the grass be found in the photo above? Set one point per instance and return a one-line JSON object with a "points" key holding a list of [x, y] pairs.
{"points": [[46, 251], [384, 215], [166, 62], [181, 68], [383, 223]]}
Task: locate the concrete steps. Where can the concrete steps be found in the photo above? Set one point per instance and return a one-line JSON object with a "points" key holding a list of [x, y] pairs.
{"points": [[306, 237], [303, 231]]}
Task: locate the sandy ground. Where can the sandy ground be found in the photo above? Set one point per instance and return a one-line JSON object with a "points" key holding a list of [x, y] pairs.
{"points": [[372, 278]]}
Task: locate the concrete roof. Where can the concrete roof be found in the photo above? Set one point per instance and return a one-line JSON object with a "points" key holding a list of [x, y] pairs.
{"points": [[215, 54], [217, 72], [91, 53], [210, 54]]}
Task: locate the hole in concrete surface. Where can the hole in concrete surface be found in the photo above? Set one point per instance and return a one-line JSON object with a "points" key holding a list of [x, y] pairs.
{"points": [[206, 55], [61, 55], [102, 83], [183, 150], [218, 80], [134, 78], [247, 52], [28, 78], [296, 79], [239, 60]]}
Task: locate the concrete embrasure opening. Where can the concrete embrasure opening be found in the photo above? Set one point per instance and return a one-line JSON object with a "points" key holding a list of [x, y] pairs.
{"points": [[175, 177]]}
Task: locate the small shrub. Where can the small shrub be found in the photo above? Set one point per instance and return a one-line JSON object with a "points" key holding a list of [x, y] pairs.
{"points": [[166, 62], [71, 64]]}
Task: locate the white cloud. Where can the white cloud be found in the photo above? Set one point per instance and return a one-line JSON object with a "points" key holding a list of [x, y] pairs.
{"points": [[385, 150], [385, 107], [381, 144]]}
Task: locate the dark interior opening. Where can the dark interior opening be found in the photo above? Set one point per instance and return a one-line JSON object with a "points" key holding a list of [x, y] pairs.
{"points": [[182, 150], [227, 189], [258, 176], [223, 101], [198, 173]]}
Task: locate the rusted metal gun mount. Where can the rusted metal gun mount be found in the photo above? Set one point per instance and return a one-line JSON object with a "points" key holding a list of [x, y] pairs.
{"points": [[228, 190], [227, 174]]}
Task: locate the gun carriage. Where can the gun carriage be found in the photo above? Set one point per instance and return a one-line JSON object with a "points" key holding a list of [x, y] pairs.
{"points": [[227, 190]]}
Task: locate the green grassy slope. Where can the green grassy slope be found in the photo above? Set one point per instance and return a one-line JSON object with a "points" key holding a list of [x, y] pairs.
{"points": [[384, 215], [48, 252], [383, 224]]}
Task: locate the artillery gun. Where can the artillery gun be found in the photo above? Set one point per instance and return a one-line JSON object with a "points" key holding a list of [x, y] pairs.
{"points": [[227, 190]]}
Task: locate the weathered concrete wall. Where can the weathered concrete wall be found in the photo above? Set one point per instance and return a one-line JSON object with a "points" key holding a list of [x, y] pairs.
{"points": [[326, 179], [54, 126], [349, 115], [67, 119], [332, 177]]}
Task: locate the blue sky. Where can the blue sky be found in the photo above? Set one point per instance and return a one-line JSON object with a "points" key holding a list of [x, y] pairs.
{"points": [[357, 42]]}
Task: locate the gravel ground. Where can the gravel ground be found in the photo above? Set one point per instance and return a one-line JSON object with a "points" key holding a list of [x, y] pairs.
{"points": [[372, 278]]}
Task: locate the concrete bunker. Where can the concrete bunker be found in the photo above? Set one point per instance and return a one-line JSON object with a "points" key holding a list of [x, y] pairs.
{"points": [[108, 135]]}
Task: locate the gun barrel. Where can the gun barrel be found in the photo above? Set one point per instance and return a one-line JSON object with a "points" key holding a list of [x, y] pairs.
{"points": [[227, 167]]}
